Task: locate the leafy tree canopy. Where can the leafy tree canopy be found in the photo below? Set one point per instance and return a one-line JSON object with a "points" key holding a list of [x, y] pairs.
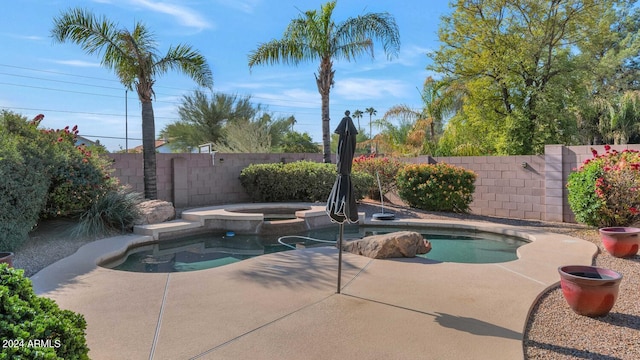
{"points": [[527, 65]]}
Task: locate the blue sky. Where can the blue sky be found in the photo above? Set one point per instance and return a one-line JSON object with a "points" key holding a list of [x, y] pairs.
{"points": [[71, 88]]}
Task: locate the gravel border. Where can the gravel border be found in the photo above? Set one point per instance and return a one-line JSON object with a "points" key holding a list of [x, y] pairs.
{"points": [[553, 330]]}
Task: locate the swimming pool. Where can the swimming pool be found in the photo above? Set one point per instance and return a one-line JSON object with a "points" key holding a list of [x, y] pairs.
{"points": [[217, 249]]}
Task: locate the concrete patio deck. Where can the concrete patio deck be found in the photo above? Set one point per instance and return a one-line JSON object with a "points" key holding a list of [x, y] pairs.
{"points": [[285, 306]]}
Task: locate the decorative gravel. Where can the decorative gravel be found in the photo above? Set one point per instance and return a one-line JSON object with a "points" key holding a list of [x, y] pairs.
{"points": [[553, 330]]}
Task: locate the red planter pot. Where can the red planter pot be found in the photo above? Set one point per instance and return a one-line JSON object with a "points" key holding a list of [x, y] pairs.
{"points": [[589, 290], [620, 241], [7, 258]]}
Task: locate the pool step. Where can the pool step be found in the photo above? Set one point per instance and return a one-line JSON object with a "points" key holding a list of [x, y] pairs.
{"points": [[283, 226]]}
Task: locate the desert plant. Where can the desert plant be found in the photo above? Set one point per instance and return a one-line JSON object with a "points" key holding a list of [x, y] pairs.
{"points": [[604, 190], [34, 327], [436, 187], [114, 212]]}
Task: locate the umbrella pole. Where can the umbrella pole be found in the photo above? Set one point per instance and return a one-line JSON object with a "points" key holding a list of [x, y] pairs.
{"points": [[340, 255]]}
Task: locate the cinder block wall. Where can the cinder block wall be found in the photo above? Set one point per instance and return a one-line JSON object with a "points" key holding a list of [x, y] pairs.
{"points": [[192, 180], [505, 187]]}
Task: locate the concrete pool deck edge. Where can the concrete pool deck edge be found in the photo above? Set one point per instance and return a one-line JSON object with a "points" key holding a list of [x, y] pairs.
{"points": [[457, 302]]}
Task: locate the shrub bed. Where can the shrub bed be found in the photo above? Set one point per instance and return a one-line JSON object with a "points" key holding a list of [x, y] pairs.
{"points": [[297, 181], [436, 187]]}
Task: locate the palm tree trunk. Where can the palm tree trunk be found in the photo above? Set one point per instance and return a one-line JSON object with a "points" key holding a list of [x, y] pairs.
{"points": [[324, 80], [149, 151], [326, 130]]}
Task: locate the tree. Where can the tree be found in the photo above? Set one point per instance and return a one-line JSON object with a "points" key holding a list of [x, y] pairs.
{"points": [[358, 115], [393, 139], [426, 125], [245, 137], [524, 64], [133, 56], [624, 118], [371, 111], [203, 118], [260, 134], [295, 142], [314, 35]]}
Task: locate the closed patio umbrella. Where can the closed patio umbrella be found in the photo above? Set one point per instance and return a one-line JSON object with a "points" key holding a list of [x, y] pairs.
{"points": [[341, 205]]}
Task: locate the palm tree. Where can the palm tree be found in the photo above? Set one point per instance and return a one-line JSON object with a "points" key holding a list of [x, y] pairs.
{"points": [[440, 99], [314, 35], [133, 56], [371, 111], [625, 117], [358, 115]]}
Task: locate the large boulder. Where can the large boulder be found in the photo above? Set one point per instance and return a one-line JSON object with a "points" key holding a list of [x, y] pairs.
{"points": [[392, 245], [155, 211]]}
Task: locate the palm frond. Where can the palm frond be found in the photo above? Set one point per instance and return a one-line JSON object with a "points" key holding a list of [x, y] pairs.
{"points": [[188, 61], [93, 34], [356, 35], [285, 51]]}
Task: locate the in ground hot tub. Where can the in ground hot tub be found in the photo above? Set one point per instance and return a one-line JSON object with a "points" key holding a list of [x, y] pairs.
{"points": [[258, 218]]}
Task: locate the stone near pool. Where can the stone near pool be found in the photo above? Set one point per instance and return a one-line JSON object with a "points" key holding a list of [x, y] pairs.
{"points": [[392, 245], [155, 212]]}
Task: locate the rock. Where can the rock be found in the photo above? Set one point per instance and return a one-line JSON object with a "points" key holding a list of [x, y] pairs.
{"points": [[392, 245], [155, 211]]}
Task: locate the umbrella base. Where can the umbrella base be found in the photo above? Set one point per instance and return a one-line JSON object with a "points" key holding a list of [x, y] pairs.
{"points": [[383, 216]]}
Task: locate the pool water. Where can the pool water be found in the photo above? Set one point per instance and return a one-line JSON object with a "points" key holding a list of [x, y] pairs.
{"points": [[213, 250]]}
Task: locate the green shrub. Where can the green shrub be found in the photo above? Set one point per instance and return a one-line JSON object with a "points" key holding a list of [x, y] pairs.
{"points": [[44, 175], [28, 320], [438, 187], [78, 175], [296, 181], [386, 168], [114, 212], [603, 191], [24, 180]]}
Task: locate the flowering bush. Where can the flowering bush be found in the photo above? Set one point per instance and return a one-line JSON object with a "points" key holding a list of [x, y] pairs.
{"points": [[605, 190], [386, 168], [78, 175], [437, 187], [44, 174]]}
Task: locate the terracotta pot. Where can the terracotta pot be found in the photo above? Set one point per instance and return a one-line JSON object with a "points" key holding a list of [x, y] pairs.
{"points": [[589, 290], [620, 241], [7, 258]]}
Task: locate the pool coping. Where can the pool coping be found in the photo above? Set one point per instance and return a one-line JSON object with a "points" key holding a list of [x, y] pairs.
{"points": [[74, 281], [227, 217]]}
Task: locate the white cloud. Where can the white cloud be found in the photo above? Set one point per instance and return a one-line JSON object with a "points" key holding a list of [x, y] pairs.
{"points": [[27, 37], [412, 54], [184, 16], [363, 88], [77, 63]]}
